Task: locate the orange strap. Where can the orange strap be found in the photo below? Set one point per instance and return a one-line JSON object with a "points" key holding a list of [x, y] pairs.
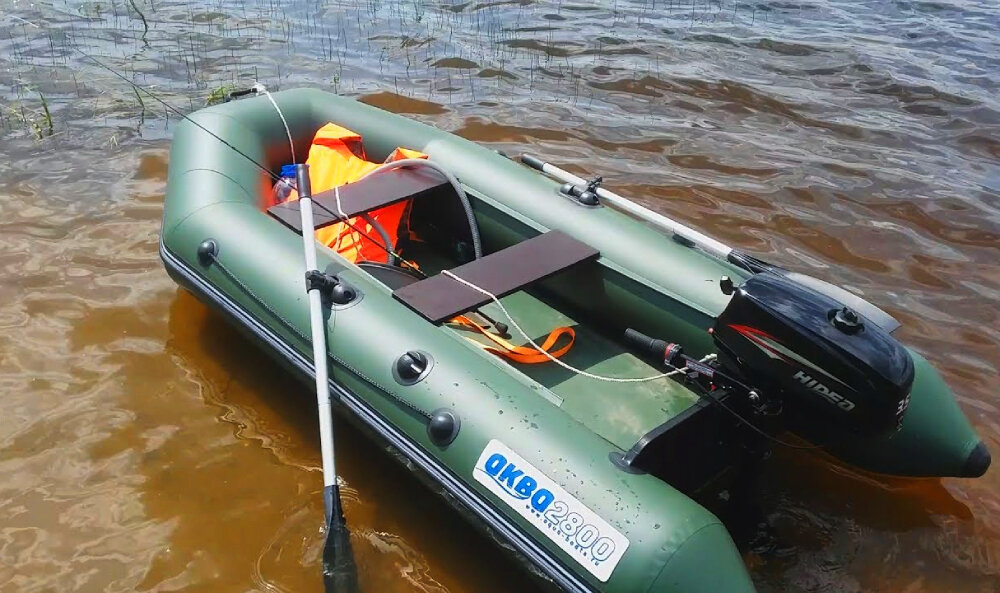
{"points": [[522, 354]]}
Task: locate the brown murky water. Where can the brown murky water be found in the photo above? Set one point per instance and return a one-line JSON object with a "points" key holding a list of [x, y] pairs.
{"points": [[145, 445]]}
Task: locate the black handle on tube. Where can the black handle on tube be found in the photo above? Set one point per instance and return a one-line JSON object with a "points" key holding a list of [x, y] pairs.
{"points": [[240, 93], [302, 181], [532, 161]]}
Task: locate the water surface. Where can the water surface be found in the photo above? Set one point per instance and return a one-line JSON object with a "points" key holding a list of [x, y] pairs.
{"points": [[145, 445]]}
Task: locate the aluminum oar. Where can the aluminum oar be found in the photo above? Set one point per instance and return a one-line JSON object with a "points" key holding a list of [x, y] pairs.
{"points": [[340, 573], [691, 237], [704, 242]]}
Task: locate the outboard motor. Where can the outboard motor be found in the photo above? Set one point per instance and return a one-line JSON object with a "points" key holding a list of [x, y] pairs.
{"points": [[832, 369]]}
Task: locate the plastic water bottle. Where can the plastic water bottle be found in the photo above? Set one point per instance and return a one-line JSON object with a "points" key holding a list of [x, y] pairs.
{"points": [[283, 188]]}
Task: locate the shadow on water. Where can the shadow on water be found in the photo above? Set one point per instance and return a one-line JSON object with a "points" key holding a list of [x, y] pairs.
{"points": [[806, 517], [405, 537]]}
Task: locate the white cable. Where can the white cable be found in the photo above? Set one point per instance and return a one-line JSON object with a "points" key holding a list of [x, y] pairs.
{"points": [[340, 209], [411, 162], [263, 89], [343, 217], [477, 246], [492, 296]]}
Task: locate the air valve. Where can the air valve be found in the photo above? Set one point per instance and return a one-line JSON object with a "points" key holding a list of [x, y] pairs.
{"points": [[412, 367]]}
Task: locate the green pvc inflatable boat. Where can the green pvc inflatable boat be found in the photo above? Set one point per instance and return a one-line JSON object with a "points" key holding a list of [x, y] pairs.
{"points": [[587, 477]]}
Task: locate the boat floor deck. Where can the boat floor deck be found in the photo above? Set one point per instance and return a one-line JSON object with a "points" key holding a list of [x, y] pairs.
{"points": [[620, 412]]}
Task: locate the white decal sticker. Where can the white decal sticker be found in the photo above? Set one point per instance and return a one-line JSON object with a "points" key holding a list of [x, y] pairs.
{"points": [[583, 535]]}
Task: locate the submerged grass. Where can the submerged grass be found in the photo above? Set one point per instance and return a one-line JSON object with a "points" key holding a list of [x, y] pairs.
{"points": [[47, 114], [142, 106], [37, 121], [219, 93]]}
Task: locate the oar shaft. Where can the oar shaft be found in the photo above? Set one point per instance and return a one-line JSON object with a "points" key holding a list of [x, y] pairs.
{"points": [[340, 574], [318, 327], [704, 242]]}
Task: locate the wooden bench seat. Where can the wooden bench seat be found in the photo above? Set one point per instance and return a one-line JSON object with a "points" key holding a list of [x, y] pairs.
{"points": [[439, 298], [371, 193]]}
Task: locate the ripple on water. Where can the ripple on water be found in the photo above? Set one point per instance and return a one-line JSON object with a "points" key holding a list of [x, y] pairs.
{"points": [[146, 445]]}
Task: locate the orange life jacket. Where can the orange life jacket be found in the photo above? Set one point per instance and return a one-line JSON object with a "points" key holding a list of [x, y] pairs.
{"points": [[337, 158]]}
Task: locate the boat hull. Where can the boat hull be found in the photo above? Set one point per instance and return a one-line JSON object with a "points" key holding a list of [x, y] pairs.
{"points": [[662, 540]]}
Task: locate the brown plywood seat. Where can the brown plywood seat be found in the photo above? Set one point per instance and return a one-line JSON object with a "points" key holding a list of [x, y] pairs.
{"points": [[440, 298], [371, 193]]}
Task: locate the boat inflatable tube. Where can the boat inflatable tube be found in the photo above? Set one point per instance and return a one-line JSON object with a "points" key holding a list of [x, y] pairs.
{"points": [[513, 448]]}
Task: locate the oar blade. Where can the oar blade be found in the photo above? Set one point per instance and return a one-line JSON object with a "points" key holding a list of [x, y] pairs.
{"points": [[340, 573]]}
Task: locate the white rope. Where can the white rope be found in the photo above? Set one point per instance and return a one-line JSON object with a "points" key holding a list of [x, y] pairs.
{"points": [[492, 296], [340, 209], [263, 89], [343, 217]]}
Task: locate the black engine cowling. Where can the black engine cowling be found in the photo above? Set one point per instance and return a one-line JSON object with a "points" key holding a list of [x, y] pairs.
{"points": [[831, 368]]}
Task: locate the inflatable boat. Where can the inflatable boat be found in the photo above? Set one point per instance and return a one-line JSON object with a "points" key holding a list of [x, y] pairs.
{"points": [[567, 368]]}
